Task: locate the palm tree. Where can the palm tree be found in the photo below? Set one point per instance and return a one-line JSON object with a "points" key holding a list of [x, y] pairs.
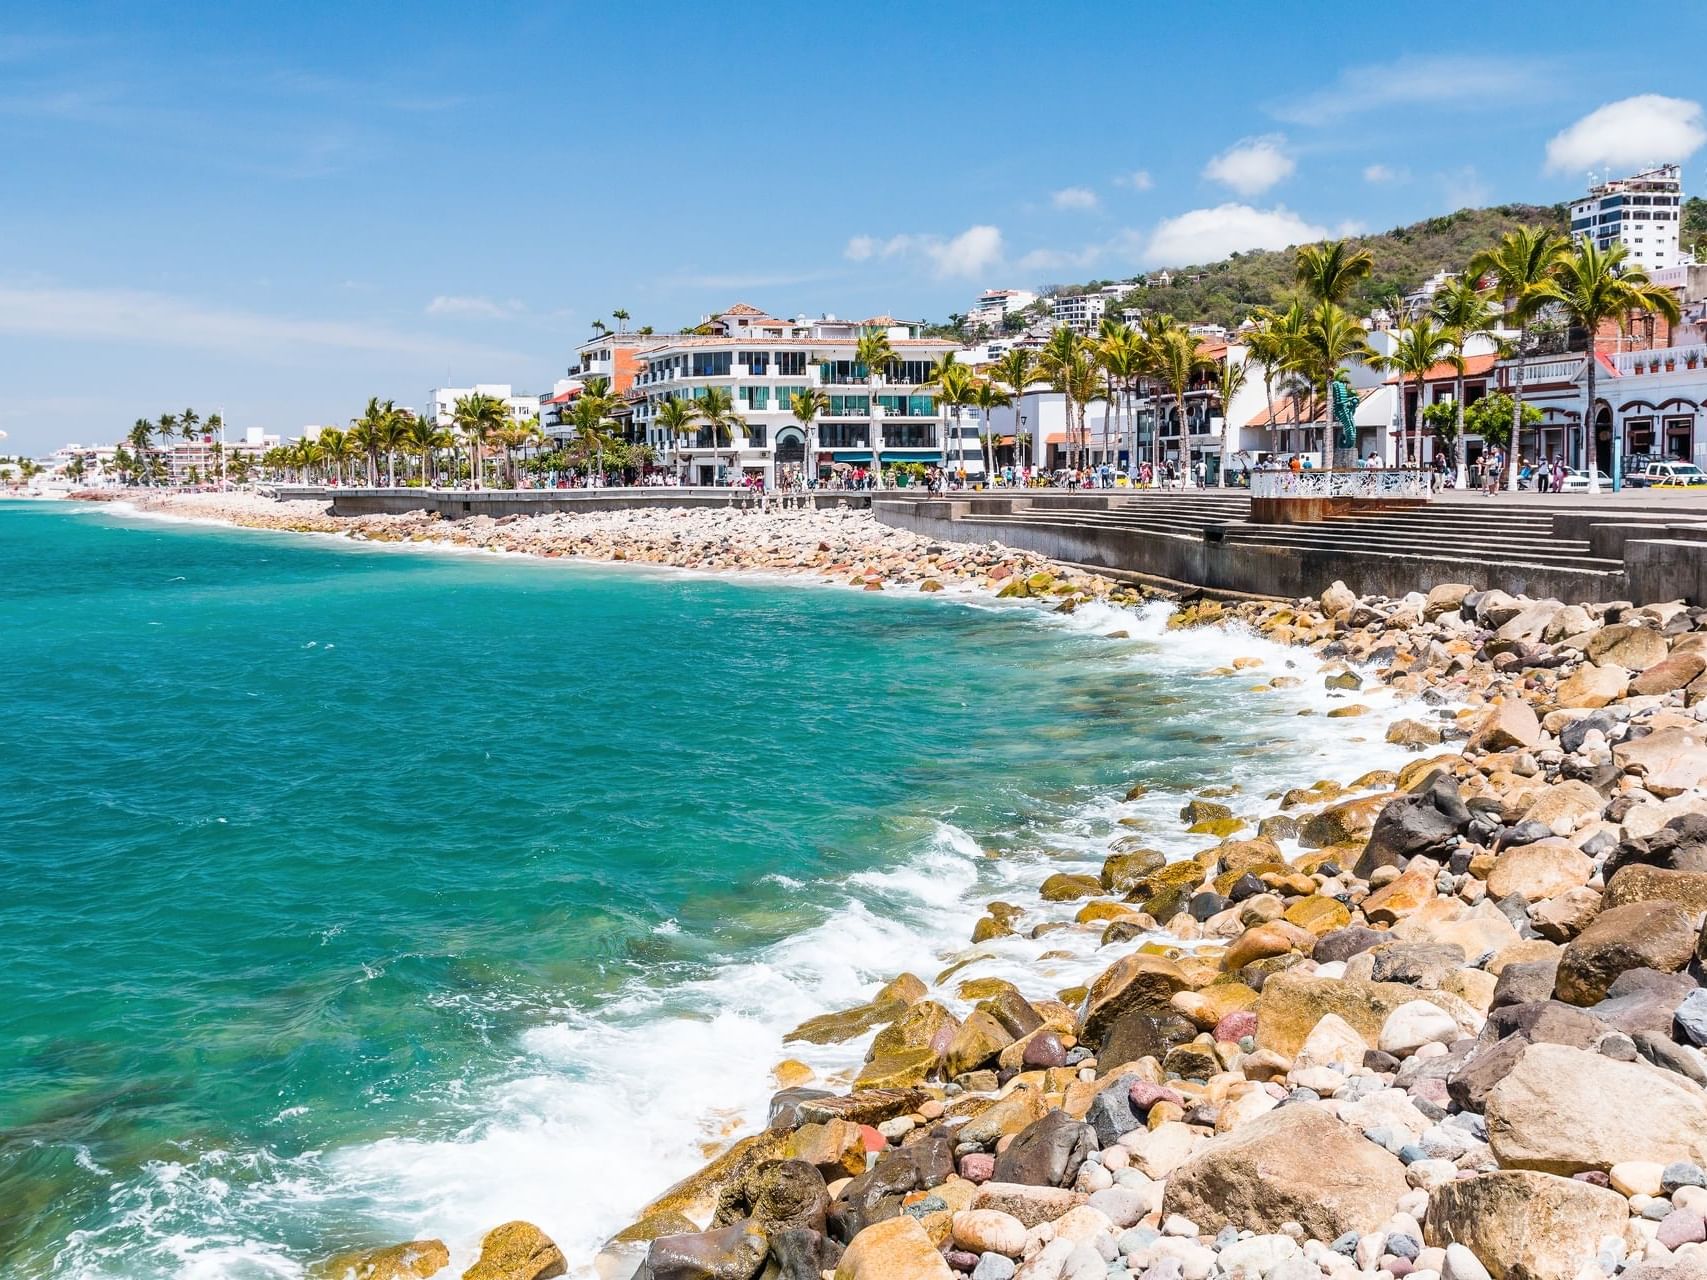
{"points": [[141, 436], [988, 396], [877, 354], [1120, 352], [1331, 337], [1593, 286], [1173, 360], [422, 437], [1057, 363], [477, 416], [187, 421], [677, 418], [1466, 314], [1274, 345], [1017, 370], [367, 433], [336, 449], [591, 435], [393, 431], [308, 455], [1520, 266], [1331, 270], [1232, 381], [621, 318], [716, 408], [1417, 350], [954, 384], [513, 436], [806, 405]]}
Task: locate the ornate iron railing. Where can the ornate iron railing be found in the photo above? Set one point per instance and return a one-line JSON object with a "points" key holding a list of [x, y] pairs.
{"points": [[1390, 483]]}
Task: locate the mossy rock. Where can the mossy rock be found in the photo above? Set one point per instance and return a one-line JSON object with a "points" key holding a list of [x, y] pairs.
{"points": [[923, 1025], [840, 1027], [1094, 912], [984, 988], [1240, 855], [655, 1227], [1191, 1061], [1013, 589], [1350, 712], [1218, 827], [1137, 791], [1318, 914], [900, 1070], [1066, 887], [1042, 580], [1278, 826], [1343, 680], [415, 1260], [989, 927], [1122, 870], [1198, 809]]}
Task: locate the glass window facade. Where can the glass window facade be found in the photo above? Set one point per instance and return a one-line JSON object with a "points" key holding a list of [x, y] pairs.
{"points": [[850, 406], [711, 364], [757, 362], [785, 396], [791, 364]]}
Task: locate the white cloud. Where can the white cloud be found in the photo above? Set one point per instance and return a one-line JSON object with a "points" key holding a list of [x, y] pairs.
{"points": [[1434, 80], [161, 320], [1252, 166], [1138, 180], [968, 254], [1380, 174], [1078, 198], [484, 308], [1204, 235], [1635, 131]]}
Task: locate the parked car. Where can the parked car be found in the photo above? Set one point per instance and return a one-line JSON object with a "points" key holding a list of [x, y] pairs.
{"points": [[1667, 475], [1576, 481]]}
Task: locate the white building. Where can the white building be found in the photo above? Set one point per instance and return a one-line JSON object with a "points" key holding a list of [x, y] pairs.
{"points": [[1080, 312], [441, 401], [1643, 212], [994, 306], [763, 362]]}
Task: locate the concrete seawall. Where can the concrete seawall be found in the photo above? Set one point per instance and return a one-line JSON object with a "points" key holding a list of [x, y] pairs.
{"points": [[1204, 560]]}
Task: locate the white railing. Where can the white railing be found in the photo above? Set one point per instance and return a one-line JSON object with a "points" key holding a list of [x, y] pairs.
{"points": [[1634, 362], [1396, 483]]}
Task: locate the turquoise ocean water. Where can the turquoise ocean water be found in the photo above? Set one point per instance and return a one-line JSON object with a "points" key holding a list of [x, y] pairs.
{"points": [[351, 894]]}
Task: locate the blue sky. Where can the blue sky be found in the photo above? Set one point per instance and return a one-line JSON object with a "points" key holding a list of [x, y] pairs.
{"points": [[284, 209]]}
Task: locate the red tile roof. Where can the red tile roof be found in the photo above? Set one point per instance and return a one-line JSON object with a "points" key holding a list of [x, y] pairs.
{"points": [[1446, 371]]}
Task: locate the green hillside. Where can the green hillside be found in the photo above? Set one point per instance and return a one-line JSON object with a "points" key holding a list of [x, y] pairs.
{"points": [[1225, 292], [1694, 233]]}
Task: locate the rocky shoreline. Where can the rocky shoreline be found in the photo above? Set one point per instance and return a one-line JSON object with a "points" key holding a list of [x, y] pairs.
{"points": [[838, 545], [1444, 1022]]}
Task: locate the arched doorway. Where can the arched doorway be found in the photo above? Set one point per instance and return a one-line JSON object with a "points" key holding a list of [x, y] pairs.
{"points": [[790, 447], [1603, 437]]}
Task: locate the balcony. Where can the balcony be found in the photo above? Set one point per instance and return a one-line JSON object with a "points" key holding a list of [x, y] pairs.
{"points": [[843, 435], [1664, 360]]}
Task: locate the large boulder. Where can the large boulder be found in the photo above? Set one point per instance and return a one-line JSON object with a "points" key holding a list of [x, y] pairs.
{"points": [[1138, 982], [899, 1249], [775, 1197], [517, 1251], [1047, 1153], [1674, 671], [1511, 724], [1564, 1110], [415, 1260], [1669, 761], [1592, 685], [1347, 822], [1292, 1005], [734, 1252], [1564, 807], [1522, 1225], [1540, 870], [1626, 645], [1638, 935], [1425, 821], [1293, 1164], [1639, 883]]}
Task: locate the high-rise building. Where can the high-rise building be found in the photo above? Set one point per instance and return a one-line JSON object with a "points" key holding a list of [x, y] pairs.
{"points": [[1641, 212]]}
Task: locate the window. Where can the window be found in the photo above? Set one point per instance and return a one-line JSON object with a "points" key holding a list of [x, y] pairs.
{"points": [[785, 396], [711, 364], [791, 364], [756, 397], [849, 406], [757, 362]]}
